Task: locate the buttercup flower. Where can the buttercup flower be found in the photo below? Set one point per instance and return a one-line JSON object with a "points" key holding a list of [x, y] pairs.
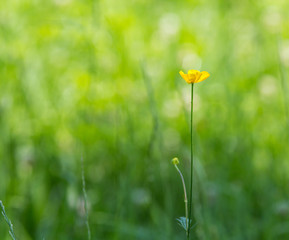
{"points": [[194, 76]]}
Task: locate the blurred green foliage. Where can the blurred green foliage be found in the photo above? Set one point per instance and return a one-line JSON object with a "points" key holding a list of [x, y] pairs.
{"points": [[100, 78]]}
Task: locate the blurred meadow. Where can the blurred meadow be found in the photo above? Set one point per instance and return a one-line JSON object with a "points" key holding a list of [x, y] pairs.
{"points": [[99, 80]]}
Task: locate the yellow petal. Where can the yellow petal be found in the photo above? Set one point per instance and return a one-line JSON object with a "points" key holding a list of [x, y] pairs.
{"points": [[193, 71], [204, 76], [191, 78], [184, 76], [198, 75], [194, 75]]}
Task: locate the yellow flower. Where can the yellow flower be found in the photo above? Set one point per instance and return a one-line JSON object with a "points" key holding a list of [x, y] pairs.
{"points": [[194, 76], [175, 161]]}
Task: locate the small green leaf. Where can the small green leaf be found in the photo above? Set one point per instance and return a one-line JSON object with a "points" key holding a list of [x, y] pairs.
{"points": [[192, 226], [183, 223]]}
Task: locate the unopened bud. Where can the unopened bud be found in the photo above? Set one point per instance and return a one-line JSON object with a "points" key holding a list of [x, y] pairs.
{"points": [[175, 161]]}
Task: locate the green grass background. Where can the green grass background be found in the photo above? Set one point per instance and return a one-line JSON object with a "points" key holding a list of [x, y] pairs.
{"points": [[100, 78]]}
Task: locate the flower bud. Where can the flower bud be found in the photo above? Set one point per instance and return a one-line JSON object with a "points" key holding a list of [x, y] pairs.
{"points": [[175, 161]]}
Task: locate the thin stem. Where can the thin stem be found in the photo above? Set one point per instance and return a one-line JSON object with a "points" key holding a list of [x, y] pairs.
{"points": [[11, 232], [192, 160], [85, 198], [185, 199], [283, 82]]}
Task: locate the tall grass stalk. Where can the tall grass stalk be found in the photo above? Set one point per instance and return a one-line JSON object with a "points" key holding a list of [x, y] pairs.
{"points": [[192, 161], [153, 109], [85, 198], [283, 82], [156, 146], [11, 232]]}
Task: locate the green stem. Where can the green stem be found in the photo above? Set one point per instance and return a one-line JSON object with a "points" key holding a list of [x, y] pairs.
{"points": [[192, 162], [185, 199], [11, 232]]}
